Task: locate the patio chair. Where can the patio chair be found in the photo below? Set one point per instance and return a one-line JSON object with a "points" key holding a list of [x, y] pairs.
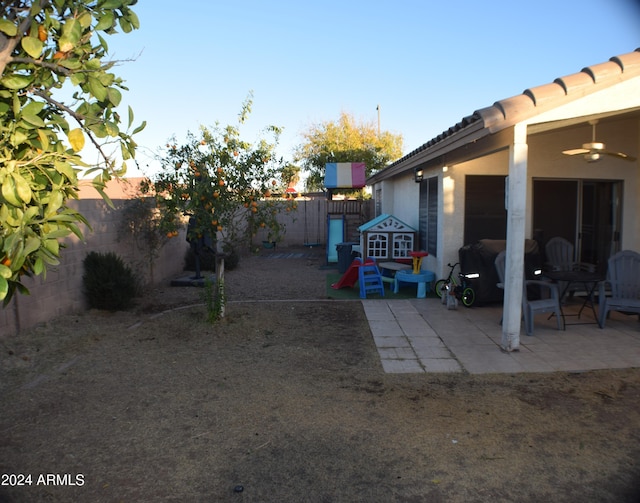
{"points": [[623, 277], [560, 257], [530, 307]]}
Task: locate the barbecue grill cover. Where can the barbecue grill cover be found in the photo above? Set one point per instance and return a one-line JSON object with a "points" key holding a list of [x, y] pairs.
{"points": [[480, 257]]}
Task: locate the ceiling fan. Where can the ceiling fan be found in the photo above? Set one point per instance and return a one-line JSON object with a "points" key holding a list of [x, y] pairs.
{"points": [[594, 150]]}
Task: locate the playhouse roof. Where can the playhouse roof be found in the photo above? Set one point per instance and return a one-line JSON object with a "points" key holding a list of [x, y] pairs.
{"points": [[386, 223]]}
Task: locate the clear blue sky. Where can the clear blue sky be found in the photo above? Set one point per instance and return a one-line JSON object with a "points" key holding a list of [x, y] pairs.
{"points": [[426, 63]]}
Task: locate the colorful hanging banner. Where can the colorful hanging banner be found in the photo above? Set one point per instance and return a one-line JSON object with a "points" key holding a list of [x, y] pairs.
{"points": [[344, 175]]}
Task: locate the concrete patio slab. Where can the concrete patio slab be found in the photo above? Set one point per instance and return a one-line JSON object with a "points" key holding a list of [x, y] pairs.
{"points": [[422, 335]]}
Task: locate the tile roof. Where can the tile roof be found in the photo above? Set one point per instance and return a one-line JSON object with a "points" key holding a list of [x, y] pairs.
{"points": [[533, 101]]}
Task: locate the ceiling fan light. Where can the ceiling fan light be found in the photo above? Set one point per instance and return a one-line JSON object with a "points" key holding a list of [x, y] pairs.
{"points": [[592, 157], [594, 145]]}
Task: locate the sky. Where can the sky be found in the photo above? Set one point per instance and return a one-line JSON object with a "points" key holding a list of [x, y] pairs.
{"points": [[425, 64]]}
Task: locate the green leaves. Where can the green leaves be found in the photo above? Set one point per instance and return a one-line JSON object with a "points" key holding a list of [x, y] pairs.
{"points": [[71, 33], [224, 183], [8, 28], [33, 46], [38, 170], [16, 81], [105, 21]]}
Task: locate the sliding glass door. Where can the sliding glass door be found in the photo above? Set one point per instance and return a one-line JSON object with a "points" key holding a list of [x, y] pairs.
{"points": [[585, 212]]}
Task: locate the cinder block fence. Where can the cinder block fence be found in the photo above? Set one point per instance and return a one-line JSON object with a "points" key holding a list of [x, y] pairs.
{"points": [[61, 292]]}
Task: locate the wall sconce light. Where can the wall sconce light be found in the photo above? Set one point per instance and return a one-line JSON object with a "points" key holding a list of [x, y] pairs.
{"points": [[418, 175]]}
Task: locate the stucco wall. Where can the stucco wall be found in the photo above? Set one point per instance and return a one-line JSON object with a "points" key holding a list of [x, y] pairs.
{"points": [[545, 161], [61, 291]]}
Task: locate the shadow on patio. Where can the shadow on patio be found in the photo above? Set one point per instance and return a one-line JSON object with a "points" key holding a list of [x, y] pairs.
{"points": [[421, 335]]}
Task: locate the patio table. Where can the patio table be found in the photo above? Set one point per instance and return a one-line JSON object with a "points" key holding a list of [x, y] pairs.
{"points": [[589, 280], [393, 266], [389, 270]]}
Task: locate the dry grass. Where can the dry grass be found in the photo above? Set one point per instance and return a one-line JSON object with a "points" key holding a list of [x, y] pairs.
{"points": [[289, 401]]}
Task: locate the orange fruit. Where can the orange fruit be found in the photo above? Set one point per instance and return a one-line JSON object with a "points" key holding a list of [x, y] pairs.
{"points": [[42, 33], [6, 261], [221, 183], [219, 228]]}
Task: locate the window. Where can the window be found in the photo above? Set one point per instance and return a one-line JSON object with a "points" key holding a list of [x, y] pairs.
{"points": [[402, 245], [428, 215], [377, 245], [485, 216], [378, 202]]}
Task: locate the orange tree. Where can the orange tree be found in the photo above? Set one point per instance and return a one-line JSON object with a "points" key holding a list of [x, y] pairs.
{"points": [[51, 49], [223, 185]]}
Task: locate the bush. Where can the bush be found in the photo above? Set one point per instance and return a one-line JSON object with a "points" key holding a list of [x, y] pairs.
{"points": [[108, 282]]}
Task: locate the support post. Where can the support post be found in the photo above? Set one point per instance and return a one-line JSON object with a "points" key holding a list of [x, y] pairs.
{"points": [[516, 215]]}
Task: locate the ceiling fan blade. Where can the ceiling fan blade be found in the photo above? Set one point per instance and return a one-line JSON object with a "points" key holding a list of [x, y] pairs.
{"points": [[620, 155], [593, 150], [575, 151]]}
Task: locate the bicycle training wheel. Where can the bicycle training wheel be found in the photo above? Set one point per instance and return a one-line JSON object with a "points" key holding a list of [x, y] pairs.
{"points": [[468, 296], [441, 287]]}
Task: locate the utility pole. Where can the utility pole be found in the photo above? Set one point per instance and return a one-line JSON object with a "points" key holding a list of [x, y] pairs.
{"points": [[378, 109]]}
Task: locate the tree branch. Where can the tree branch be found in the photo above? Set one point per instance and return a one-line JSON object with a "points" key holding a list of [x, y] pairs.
{"points": [[79, 118], [51, 66], [8, 44]]}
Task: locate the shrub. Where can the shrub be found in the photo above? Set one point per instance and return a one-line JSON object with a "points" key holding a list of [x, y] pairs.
{"points": [[108, 282]]}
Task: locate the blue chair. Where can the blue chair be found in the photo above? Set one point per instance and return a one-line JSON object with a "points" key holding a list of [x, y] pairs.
{"points": [[370, 279]]}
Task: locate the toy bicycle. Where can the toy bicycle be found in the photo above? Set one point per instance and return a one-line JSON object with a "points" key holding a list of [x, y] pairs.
{"points": [[452, 289]]}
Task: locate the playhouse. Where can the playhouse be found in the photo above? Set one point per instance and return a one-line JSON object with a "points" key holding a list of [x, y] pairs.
{"points": [[387, 238]]}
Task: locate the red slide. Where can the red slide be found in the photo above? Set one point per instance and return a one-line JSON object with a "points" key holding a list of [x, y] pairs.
{"points": [[350, 277]]}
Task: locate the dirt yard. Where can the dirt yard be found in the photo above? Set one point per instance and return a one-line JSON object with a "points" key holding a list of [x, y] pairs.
{"points": [[286, 401]]}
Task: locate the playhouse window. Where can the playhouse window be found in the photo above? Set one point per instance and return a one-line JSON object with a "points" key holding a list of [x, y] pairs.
{"points": [[377, 245], [402, 245]]}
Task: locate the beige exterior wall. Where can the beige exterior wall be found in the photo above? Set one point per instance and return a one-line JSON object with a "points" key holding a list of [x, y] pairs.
{"points": [[546, 161]]}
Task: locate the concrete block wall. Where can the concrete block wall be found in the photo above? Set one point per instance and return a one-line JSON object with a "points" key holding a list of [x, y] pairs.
{"points": [[61, 292]]}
